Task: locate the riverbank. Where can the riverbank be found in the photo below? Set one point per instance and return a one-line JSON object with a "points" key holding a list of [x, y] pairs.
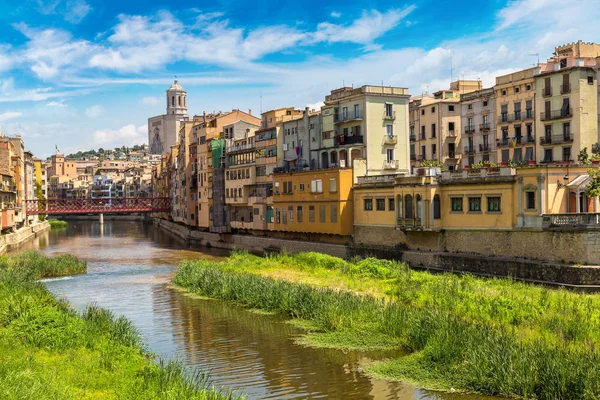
{"points": [[492, 336], [50, 351], [16, 239]]}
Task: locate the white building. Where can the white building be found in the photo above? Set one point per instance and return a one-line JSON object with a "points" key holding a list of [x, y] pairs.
{"points": [[163, 129]]}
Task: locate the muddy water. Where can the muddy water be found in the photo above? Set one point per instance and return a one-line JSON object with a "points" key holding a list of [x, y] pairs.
{"points": [[129, 267]]}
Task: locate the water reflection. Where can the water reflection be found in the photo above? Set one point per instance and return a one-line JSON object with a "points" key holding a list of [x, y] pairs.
{"points": [[129, 267]]}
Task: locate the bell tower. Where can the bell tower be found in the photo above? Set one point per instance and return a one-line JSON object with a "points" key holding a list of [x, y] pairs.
{"points": [[176, 100]]}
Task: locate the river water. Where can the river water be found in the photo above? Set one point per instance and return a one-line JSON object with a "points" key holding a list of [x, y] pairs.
{"points": [[130, 265]]}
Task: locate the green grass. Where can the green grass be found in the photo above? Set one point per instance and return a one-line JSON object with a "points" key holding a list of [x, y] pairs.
{"points": [[493, 336], [49, 351], [57, 224]]}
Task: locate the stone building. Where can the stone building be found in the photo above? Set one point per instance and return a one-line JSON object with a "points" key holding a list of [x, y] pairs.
{"points": [[163, 129]]}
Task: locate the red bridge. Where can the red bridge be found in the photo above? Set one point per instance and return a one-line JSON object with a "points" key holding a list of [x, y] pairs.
{"points": [[99, 206]]}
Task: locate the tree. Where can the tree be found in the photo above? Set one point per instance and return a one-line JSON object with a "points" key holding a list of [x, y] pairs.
{"points": [[583, 157], [100, 150], [593, 188]]}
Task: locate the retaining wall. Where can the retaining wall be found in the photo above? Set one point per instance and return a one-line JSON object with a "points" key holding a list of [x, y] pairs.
{"points": [[15, 240]]}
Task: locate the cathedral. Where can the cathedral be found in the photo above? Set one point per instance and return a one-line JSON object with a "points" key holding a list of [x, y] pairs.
{"points": [[163, 129]]}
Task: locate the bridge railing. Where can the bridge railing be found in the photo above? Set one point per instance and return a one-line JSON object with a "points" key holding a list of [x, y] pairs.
{"points": [[98, 205]]}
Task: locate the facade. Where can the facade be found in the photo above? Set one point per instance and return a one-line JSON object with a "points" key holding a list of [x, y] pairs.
{"points": [[478, 137], [314, 202], [515, 112], [163, 129], [369, 123], [435, 125]]}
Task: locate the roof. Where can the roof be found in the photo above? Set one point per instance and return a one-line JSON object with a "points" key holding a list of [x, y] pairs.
{"points": [[580, 182], [176, 86]]}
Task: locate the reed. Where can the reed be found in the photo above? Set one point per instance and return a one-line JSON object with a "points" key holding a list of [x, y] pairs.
{"points": [[492, 336], [57, 224], [50, 351]]}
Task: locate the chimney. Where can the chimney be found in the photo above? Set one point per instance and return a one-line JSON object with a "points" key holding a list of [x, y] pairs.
{"points": [[250, 111]]}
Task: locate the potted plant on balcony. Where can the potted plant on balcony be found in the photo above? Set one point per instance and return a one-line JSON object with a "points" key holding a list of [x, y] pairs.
{"points": [[595, 159], [531, 162], [504, 164]]}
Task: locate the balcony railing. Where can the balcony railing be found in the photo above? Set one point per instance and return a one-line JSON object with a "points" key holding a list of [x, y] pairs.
{"points": [[565, 88], [469, 130], [547, 92], [390, 139], [413, 157], [504, 142], [452, 134], [350, 116], [549, 140], [350, 139], [485, 148], [389, 116], [516, 116], [469, 150], [413, 138], [452, 155], [557, 114], [581, 220], [484, 127]]}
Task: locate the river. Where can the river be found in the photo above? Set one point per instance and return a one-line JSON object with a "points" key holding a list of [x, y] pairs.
{"points": [[130, 265]]}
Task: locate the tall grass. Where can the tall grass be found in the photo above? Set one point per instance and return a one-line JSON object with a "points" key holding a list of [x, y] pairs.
{"points": [[57, 224], [493, 336], [49, 351]]}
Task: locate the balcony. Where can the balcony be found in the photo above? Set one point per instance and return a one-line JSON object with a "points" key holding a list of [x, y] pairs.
{"points": [[350, 116], [565, 88], [469, 150], [484, 127], [551, 140], [389, 116], [413, 138], [413, 157], [350, 139], [547, 92], [451, 155], [452, 134], [579, 220], [504, 142], [485, 148], [390, 164], [530, 139], [390, 140], [516, 116], [469, 130], [557, 114]]}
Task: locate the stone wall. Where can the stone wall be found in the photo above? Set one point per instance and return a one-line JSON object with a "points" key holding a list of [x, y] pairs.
{"points": [[16, 239], [558, 246], [252, 243]]}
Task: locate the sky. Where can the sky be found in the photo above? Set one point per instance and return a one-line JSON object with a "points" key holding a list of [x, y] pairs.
{"points": [[82, 74]]}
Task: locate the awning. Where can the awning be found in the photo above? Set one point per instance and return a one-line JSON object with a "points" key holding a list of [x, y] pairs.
{"points": [[580, 182]]}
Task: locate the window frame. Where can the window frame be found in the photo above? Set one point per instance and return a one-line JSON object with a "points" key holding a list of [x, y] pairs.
{"points": [[490, 199], [454, 202], [368, 204], [475, 201]]}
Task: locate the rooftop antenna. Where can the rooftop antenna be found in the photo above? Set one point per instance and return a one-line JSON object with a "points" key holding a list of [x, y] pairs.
{"points": [[538, 57]]}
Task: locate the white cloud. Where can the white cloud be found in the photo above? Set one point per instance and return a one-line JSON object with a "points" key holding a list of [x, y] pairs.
{"points": [[150, 101], [10, 115], [77, 10], [315, 106], [55, 103], [94, 111], [127, 135], [335, 14]]}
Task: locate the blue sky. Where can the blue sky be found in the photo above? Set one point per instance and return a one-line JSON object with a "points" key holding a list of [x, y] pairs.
{"points": [[88, 73]]}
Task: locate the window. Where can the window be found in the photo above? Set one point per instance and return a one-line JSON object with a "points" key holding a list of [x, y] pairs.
{"points": [[530, 200], [505, 156], [423, 111], [391, 204], [422, 131], [528, 87], [437, 214], [485, 103], [457, 204], [547, 155], [494, 204], [451, 126], [311, 213], [368, 204], [322, 213], [432, 130], [470, 106], [299, 213], [408, 207], [432, 110], [302, 188], [433, 151], [590, 80], [334, 213], [291, 213], [389, 130], [474, 204], [380, 204], [316, 186], [283, 216], [517, 89], [390, 155], [277, 215], [450, 108], [332, 185], [503, 92], [388, 110], [566, 154]]}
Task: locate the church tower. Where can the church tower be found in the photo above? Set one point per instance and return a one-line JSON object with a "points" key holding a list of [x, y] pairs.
{"points": [[176, 100]]}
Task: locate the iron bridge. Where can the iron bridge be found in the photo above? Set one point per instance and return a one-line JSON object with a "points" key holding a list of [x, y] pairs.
{"points": [[98, 205]]}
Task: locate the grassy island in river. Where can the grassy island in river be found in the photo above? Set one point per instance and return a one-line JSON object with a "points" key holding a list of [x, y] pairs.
{"points": [[491, 336]]}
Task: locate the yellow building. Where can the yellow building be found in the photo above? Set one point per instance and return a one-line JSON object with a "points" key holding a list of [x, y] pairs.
{"points": [[318, 201], [488, 198], [435, 125]]}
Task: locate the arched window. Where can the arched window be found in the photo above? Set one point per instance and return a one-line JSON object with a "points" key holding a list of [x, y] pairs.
{"points": [[408, 207], [418, 206], [184, 101], [179, 100], [173, 101], [437, 212]]}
